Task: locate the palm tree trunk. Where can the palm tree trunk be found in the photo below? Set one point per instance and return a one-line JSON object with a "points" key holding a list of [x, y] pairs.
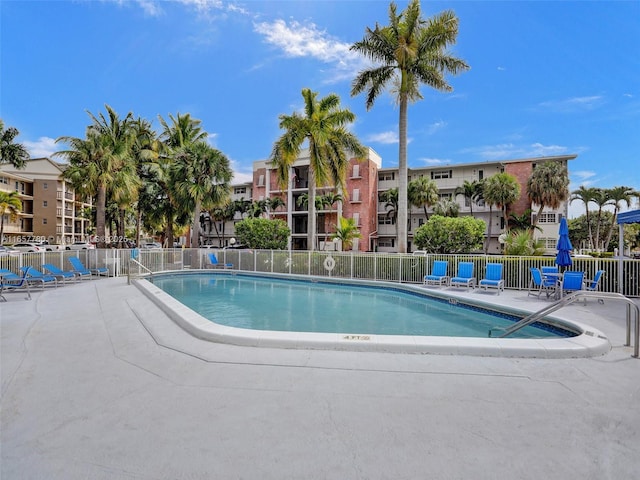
{"points": [[101, 208], [195, 227], [589, 228], [611, 227], [311, 232], [486, 245], [402, 176]]}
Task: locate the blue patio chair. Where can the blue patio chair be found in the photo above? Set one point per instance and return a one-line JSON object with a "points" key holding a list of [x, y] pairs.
{"points": [[9, 281], [539, 284], [37, 276], [438, 274], [61, 275], [493, 277], [593, 285], [464, 277], [571, 282], [214, 263], [78, 267]]}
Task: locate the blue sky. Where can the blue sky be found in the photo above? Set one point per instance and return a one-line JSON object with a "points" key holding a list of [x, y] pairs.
{"points": [[546, 77]]}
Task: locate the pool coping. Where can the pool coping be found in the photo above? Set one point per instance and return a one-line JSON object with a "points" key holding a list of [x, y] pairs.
{"points": [[589, 342]]}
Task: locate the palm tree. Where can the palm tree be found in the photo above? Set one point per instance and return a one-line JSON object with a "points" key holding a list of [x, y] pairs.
{"points": [[501, 189], [422, 192], [548, 186], [346, 232], [586, 196], [601, 199], [182, 132], [202, 176], [616, 196], [410, 51], [10, 152], [323, 128], [275, 203], [469, 191], [390, 199], [94, 162], [446, 208], [11, 205]]}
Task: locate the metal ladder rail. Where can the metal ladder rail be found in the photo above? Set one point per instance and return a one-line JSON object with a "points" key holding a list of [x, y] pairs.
{"points": [[534, 317], [133, 260]]}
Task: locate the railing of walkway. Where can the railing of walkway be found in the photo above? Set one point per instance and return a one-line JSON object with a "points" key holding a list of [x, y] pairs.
{"points": [[372, 266]]}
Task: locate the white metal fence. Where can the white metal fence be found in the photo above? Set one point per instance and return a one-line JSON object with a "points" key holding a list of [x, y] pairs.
{"points": [[372, 266]]}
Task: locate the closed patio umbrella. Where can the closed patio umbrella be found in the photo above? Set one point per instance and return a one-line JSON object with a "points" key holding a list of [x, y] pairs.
{"points": [[563, 258]]}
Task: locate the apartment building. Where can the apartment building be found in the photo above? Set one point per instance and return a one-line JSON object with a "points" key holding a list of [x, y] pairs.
{"points": [[52, 211], [366, 183]]}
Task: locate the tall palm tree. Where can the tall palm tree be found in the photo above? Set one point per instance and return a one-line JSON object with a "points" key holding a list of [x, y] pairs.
{"points": [[446, 208], [422, 192], [202, 176], [586, 196], [275, 203], [601, 199], [548, 186], [10, 205], [183, 131], [410, 51], [11, 152], [501, 189], [618, 195], [323, 129], [468, 190]]}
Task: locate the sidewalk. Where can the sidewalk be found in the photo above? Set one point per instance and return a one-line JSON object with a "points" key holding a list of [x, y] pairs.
{"points": [[97, 383]]}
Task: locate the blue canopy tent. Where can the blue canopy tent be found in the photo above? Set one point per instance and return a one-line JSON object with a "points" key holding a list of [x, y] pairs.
{"points": [[632, 216]]}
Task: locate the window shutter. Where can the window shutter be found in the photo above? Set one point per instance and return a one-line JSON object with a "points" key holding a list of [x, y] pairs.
{"points": [[356, 195], [356, 170], [261, 181], [356, 218]]}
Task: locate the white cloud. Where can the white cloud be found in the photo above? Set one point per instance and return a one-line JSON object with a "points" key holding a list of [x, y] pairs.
{"points": [[241, 173], [383, 137], [434, 127], [585, 178], [573, 104], [150, 7], [508, 151], [299, 40], [43, 147], [501, 69]]}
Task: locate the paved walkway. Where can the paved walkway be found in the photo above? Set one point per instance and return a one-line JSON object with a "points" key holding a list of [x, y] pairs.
{"points": [[97, 383]]}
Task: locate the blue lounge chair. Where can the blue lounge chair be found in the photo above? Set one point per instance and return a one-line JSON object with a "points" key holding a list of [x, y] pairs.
{"points": [[214, 263], [464, 277], [61, 275], [36, 276], [493, 277], [438, 274], [571, 282], [78, 267], [539, 283], [9, 281]]}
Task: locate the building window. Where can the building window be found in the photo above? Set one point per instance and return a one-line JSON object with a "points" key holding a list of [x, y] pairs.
{"points": [[44, 221], [386, 242], [480, 174], [261, 181], [45, 185], [386, 176], [4, 180], [445, 196], [356, 218], [355, 196], [440, 174], [386, 220], [45, 203], [356, 171], [239, 190], [547, 218]]}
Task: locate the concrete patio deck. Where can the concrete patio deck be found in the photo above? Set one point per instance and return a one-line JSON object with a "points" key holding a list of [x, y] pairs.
{"points": [[97, 383]]}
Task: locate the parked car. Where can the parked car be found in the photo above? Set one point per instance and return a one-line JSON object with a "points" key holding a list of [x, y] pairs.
{"points": [[4, 251], [151, 245], [50, 247], [80, 246], [28, 247]]}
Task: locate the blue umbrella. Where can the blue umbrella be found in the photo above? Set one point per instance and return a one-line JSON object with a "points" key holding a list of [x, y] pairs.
{"points": [[563, 258]]}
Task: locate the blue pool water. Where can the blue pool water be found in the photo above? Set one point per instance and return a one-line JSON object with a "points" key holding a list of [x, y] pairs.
{"points": [[301, 306]]}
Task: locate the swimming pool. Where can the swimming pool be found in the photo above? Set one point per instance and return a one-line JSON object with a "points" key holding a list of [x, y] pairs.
{"points": [[587, 342], [290, 305]]}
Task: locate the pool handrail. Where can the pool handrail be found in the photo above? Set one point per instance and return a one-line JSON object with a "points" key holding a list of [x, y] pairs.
{"points": [[534, 317]]}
